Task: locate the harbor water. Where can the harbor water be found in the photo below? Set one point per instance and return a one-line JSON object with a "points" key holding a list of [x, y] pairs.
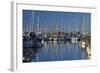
{"points": [[59, 51]]}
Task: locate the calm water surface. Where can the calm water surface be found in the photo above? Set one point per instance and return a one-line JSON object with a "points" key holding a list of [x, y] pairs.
{"points": [[58, 51]]}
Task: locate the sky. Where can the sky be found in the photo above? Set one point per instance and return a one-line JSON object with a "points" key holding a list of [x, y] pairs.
{"points": [[52, 21]]}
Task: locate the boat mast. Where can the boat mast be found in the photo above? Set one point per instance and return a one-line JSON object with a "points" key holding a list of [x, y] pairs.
{"points": [[38, 25], [81, 25], [32, 21]]}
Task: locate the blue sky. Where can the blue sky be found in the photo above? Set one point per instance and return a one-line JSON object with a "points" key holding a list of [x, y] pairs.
{"points": [[50, 21]]}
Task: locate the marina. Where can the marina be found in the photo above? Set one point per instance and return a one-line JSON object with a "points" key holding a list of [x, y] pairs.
{"points": [[56, 36]]}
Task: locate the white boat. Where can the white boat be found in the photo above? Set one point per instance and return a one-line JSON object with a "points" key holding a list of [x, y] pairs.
{"points": [[83, 44], [74, 39]]}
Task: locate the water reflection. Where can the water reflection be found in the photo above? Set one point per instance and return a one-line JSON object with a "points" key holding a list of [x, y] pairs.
{"points": [[56, 51]]}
